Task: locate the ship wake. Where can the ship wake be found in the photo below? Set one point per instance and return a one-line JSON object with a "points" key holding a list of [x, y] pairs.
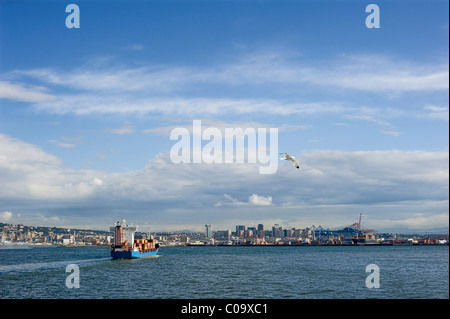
{"points": [[34, 267]]}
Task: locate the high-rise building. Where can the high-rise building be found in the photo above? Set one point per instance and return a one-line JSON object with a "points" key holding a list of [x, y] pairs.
{"points": [[251, 232], [277, 231], [251, 228], [240, 230], [260, 230], [208, 231], [289, 233], [240, 227]]}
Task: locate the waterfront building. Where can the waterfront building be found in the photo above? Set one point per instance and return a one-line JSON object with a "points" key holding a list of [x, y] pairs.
{"points": [[222, 234], [184, 239]]}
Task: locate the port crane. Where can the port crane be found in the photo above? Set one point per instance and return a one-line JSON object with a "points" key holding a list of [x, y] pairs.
{"points": [[358, 229], [314, 229]]}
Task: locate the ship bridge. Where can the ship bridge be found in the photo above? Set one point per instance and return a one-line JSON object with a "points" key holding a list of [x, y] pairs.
{"points": [[123, 233]]}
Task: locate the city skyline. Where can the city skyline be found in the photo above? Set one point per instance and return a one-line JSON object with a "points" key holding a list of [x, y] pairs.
{"points": [[86, 114], [30, 235], [212, 229]]}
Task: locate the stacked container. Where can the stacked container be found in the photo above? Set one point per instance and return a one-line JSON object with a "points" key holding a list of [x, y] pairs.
{"points": [[144, 244]]}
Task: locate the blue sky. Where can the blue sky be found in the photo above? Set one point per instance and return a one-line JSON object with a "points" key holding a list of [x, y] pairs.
{"points": [[86, 114]]}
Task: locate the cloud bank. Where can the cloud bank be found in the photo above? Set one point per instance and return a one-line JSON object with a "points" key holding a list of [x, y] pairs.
{"points": [[411, 185], [185, 90]]}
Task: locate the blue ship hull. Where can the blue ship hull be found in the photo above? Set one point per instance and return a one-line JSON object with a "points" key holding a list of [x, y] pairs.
{"points": [[132, 254]]}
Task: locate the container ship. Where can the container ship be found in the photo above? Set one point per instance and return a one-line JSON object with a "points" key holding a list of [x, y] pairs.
{"points": [[367, 239], [363, 236], [126, 247]]}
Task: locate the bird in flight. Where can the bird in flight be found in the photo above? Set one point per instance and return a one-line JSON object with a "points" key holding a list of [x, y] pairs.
{"points": [[288, 157]]}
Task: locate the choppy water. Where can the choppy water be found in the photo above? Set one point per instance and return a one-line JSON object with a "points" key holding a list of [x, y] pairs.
{"points": [[228, 272]]}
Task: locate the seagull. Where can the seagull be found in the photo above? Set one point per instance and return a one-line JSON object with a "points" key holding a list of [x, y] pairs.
{"points": [[288, 157]]}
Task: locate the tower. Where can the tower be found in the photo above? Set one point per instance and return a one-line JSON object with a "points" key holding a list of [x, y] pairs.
{"points": [[208, 231]]}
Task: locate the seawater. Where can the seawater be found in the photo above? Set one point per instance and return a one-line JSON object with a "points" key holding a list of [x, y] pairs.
{"points": [[305, 272]]}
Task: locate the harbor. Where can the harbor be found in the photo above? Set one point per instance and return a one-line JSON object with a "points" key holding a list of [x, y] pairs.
{"points": [[355, 234]]}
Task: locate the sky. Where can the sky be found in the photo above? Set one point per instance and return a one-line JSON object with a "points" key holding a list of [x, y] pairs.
{"points": [[86, 113]]}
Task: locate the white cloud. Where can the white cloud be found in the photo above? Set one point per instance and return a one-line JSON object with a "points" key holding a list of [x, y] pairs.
{"points": [[333, 184], [5, 216], [260, 200], [435, 112], [19, 92], [374, 73], [67, 141], [222, 125], [26, 171], [97, 181], [385, 127], [421, 221], [191, 107], [62, 144], [113, 78], [230, 201], [253, 200], [185, 91], [383, 74], [391, 132]]}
